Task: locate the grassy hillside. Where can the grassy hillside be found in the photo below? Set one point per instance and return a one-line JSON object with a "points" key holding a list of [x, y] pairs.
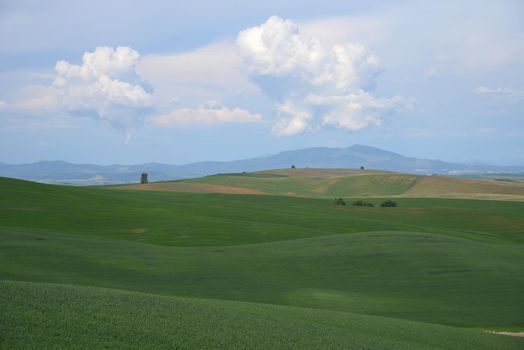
{"points": [[87, 318], [381, 278], [190, 219], [325, 183], [417, 276]]}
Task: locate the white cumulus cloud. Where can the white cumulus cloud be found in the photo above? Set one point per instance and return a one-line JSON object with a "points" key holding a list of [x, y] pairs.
{"points": [[301, 69], [291, 120], [105, 83], [358, 110], [205, 115]]}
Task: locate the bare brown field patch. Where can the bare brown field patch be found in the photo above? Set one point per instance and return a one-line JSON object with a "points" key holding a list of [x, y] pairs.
{"points": [[440, 185], [191, 187]]}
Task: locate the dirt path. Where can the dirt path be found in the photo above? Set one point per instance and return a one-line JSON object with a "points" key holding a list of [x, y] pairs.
{"points": [[511, 334]]}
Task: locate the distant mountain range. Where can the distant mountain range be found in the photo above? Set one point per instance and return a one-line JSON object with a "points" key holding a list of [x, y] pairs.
{"points": [[321, 157]]}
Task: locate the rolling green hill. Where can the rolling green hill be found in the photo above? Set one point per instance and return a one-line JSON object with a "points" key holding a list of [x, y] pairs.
{"points": [[98, 267], [325, 183], [87, 318]]}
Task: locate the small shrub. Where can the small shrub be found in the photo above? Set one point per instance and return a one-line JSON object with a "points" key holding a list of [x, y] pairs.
{"points": [[340, 201], [361, 203], [388, 203]]}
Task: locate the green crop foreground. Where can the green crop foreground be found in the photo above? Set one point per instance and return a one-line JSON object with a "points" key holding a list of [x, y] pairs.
{"points": [[40, 315], [106, 268]]}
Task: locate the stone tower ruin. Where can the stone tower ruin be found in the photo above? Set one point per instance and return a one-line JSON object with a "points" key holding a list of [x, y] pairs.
{"points": [[143, 178]]}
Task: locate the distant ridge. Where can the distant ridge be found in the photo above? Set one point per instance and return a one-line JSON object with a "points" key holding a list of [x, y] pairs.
{"points": [[319, 157]]}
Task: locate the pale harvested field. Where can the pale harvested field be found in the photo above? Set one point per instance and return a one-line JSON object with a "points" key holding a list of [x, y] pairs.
{"points": [[450, 186], [479, 196], [190, 187], [322, 173], [324, 183]]}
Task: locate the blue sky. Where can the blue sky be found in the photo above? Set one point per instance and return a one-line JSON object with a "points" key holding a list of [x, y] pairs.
{"points": [[176, 82]]}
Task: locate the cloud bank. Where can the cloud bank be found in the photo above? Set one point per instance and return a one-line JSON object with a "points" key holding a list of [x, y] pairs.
{"points": [[505, 92], [311, 80], [205, 115]]}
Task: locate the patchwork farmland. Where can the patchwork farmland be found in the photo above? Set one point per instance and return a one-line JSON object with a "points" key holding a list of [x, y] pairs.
{"points": [[268, 261]]}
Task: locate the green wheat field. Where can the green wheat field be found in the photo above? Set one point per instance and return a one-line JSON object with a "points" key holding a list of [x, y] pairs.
{"points": [[263, 261]]}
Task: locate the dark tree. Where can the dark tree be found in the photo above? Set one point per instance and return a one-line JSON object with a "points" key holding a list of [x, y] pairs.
{"points": [[292, 167], [143, 178], [389, 203], [362, 168]]}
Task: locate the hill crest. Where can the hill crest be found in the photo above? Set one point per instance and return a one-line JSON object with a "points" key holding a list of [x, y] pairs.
{"points": [[319, 157]]}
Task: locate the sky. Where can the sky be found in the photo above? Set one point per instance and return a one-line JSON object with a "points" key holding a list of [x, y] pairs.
{"points": [[175, 82]]}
